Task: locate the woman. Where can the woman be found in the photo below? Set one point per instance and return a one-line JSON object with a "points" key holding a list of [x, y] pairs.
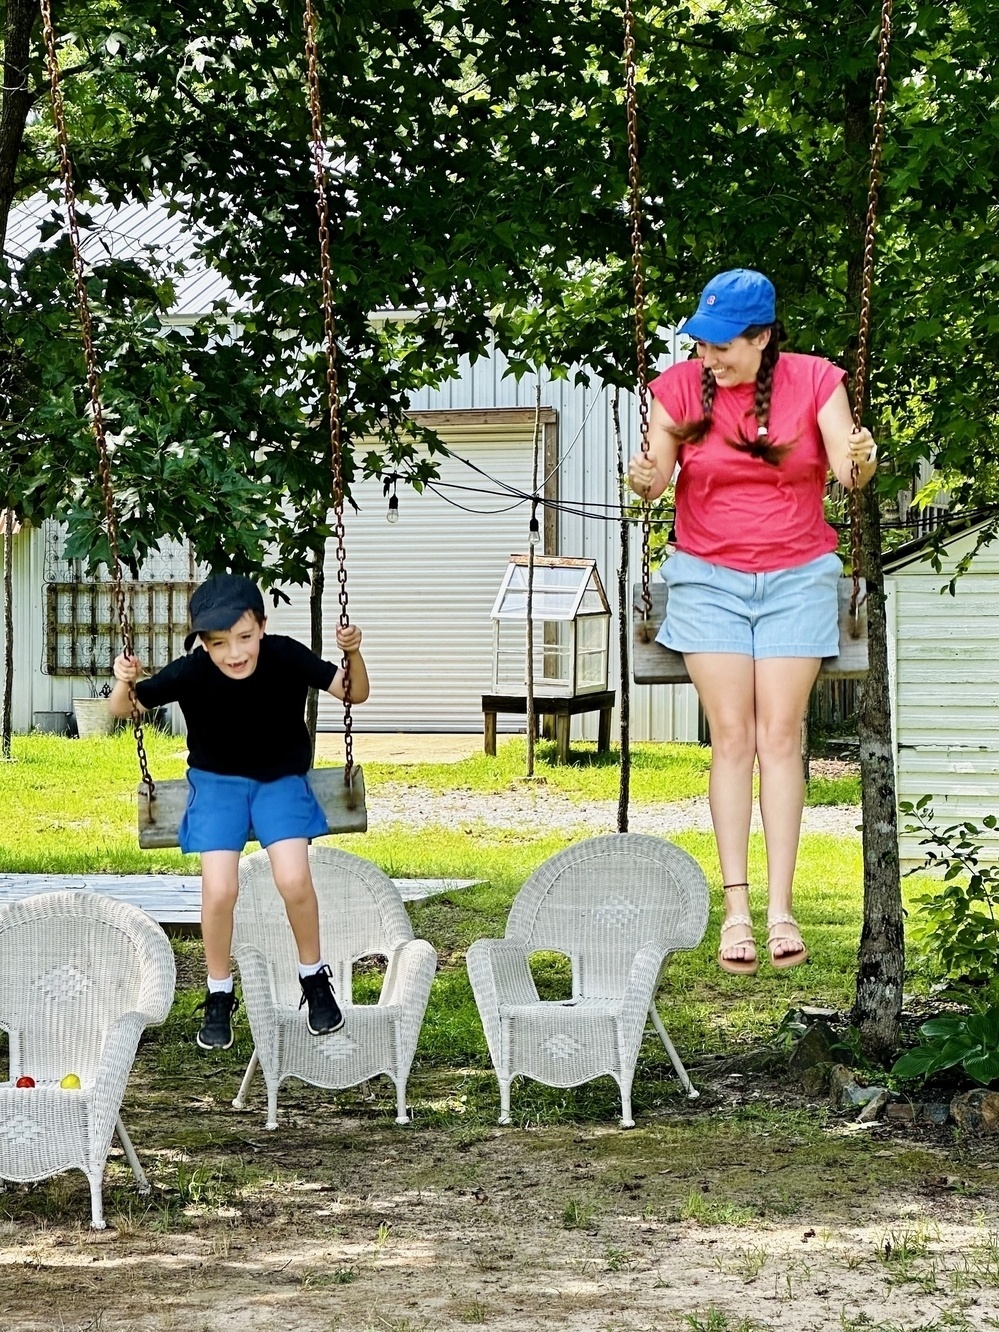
{"points": [[752, 601]]}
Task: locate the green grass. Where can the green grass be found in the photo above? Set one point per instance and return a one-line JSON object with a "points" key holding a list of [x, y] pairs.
{"points": [[68, 806], [658, 772]]}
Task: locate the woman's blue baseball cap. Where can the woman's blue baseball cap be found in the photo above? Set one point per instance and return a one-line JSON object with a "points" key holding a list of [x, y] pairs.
{"points": [[733, 301]]}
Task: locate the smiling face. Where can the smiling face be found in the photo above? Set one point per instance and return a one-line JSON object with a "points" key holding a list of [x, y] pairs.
{"points": [[735, 362], [235, 651]]}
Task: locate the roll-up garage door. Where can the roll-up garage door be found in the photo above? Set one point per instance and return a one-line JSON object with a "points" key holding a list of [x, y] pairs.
{"points": [[421, 590]]}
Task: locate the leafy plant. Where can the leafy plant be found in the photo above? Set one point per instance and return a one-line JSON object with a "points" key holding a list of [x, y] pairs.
{"points": [[971, 1040], [958, 925]]}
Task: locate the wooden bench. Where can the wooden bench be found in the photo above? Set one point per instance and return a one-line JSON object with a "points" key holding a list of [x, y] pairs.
{"points": [[562, 710]]}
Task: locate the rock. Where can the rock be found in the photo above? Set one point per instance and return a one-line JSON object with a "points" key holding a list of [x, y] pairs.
{"points": [[976, 1111], [815, 1047], [937, 1112], [903, 1112], [840, 1078], [872, 1110], [845, 1091], [815, 1080]]}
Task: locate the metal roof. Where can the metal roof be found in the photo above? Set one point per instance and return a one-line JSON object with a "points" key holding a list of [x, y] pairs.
{"points": [[142, 231]]}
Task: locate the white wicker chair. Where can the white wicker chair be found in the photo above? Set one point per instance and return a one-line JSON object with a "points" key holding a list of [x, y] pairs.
{"points": [[80, 977], [616, 906], [361, 915]]}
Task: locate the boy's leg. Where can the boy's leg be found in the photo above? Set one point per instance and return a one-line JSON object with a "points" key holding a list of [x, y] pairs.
{"points": [[293, 877], [219, 889], [290, 866]]}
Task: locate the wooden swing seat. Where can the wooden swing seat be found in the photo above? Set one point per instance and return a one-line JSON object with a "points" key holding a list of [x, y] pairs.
{"points": [[342, 803], [654, 664]]}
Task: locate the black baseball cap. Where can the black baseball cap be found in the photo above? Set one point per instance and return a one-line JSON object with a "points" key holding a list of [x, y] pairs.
{"points": [[220, 602]]}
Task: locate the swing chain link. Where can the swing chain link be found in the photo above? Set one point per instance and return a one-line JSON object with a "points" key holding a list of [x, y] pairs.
{"points": [[93, 379], [638, 287], [332, 374], [867, 280]]}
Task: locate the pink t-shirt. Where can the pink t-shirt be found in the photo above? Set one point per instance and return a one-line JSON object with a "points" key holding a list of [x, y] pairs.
{"points": [[737, 510]]}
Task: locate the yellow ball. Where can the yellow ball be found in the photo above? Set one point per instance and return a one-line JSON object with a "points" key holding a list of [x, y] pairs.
{"points": [[70, 1082]]}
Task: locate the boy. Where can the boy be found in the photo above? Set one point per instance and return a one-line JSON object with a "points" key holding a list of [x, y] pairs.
{"points": [[243, 694]]}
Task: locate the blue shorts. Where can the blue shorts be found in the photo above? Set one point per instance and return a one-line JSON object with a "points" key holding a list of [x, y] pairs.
{"points": [[787, 613], [224, 812]]}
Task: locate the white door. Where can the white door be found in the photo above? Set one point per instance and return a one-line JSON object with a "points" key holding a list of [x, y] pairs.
{"points": [[421, 590]]}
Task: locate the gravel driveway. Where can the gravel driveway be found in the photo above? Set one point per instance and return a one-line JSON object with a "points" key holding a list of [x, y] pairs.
{"points": [[527, 806]]}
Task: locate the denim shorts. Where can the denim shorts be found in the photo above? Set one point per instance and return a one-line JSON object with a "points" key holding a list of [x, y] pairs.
{"points": [[223, 812], [787, 613]]}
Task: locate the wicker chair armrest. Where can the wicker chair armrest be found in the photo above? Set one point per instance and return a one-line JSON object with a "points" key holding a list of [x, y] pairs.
{"points": [[643, 980], [121, 1041], [500, 974], [410, 974], [410, 971], [258, 996]]}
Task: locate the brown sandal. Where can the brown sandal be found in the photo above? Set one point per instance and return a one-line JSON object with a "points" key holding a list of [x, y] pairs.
{"points": [[781, 961], [738, 966]]}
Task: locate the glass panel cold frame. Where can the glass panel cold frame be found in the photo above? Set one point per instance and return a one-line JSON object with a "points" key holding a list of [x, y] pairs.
{"points": [[592, 602], [552, 660], [555, 593], [591, 653]]}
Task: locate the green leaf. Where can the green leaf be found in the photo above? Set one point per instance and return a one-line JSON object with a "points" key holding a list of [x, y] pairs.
{"points": [[917, 1063]]}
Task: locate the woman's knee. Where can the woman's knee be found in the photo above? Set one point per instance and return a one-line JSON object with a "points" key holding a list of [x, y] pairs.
{"points": [[733, 738], [779, 738]]}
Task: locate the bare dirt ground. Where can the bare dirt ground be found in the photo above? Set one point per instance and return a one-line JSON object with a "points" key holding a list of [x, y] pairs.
{"points": [[743, 1211]]}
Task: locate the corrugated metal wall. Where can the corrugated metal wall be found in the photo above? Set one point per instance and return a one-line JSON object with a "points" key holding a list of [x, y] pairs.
{"points": [[945, 668]]}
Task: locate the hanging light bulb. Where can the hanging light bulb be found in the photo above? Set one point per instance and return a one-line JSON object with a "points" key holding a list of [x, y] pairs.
{"points": [[534, 532], [393, 509]]}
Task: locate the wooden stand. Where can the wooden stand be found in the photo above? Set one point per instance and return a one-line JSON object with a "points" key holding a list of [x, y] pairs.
{"points": [[561, 709]]}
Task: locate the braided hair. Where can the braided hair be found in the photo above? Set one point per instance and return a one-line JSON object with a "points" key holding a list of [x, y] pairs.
{"points": [[762, 447]]}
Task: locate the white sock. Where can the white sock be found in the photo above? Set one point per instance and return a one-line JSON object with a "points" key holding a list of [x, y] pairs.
{"points": [[310, 968], [220, 986]]}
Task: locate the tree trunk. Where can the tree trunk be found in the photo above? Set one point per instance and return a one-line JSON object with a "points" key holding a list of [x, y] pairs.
{"points": [[16, 98], [881, 959], [881, 962], [8, 627], [317, 587]]}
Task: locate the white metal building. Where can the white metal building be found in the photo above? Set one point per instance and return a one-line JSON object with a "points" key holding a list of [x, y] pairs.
{"points": [[944, 668], [429, 655]]}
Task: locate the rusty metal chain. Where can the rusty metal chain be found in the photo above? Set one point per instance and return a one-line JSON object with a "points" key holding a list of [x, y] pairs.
{"points": [[93, 377], [867, 281], [332, 375], [638, 294]]}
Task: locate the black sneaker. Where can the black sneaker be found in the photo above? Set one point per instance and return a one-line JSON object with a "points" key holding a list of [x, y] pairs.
{"points": [[324, 1011], [216, 1030]]}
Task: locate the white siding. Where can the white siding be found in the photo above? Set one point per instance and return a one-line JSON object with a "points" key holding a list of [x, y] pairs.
{"points": [[946, 697]]}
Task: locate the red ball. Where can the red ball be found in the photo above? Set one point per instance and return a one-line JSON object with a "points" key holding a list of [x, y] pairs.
{"points": [[25, 1082]]}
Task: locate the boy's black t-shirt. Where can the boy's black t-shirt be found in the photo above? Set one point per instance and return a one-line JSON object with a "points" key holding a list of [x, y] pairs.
{"points": [[244, 728]]}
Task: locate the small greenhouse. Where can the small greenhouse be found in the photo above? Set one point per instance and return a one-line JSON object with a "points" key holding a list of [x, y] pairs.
{"points": [[571, 621]]}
